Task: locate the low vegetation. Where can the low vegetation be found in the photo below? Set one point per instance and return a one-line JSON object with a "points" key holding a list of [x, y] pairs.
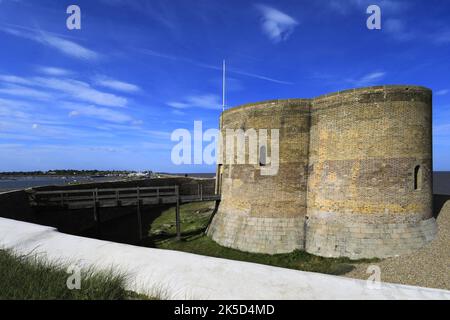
{"points": [[32, 278], [194, 220]]}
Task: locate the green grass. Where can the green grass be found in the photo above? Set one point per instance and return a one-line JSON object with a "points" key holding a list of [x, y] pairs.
{"points": [[32, 278], [194, 219]]}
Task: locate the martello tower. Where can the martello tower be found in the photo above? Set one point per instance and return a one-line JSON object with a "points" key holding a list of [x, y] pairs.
{"points": [[354, 177]]}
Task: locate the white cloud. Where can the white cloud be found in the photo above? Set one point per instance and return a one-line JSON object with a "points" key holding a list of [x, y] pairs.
{"points": [[82, 91], [442, 92], [65, 46], [257, 76], [13, 103], [397, 29], [178, 112], [14, 79], [163, 55], [158, 134], [11, 114], [346, 6], [277, 25], [100, 113], [117, 85], [368, 79], [212, 67], [52, 71], [441, 130], [24, 92], [75, 89], [206, 101], [442, 37]]}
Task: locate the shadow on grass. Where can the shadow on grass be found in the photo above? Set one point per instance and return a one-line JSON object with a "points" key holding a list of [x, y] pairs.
{"points": [[160, 232], [197, 242]]}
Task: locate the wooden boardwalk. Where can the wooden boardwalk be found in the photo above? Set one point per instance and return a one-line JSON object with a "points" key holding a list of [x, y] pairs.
{"points": [[118, 197]]}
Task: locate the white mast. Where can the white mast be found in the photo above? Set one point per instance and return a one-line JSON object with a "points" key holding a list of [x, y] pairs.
{"points": [[223, 87]]}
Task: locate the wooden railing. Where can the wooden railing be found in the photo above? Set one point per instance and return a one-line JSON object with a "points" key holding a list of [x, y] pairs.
{"points": [[118, 197], [85, 198], [104, 197]]}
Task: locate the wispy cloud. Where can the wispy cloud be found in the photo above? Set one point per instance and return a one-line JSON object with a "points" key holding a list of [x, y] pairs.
{"points": [[14, 79], [27, 93], [206, 101], [178, 112], [156, 10], [164, 56], [442, 131], [67, 47], [442, 92], [441, 37], [116, 84], [347, 6], [213, 67], [70, 88], [52, 71], [398, 30], [277, 25], [99, 113], [368, 79], [260, 77], [13, 104], [82, 91], [11, 110]]}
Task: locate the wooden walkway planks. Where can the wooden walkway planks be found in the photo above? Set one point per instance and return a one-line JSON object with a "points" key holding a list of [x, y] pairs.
{"points": [[88, 198]]}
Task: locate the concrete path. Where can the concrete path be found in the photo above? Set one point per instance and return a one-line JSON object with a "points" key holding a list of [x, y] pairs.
{"points": [[178, 275]]}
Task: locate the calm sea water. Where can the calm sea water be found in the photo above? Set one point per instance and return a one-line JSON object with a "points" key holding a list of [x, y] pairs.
{"points": [[441, 181], [14, 183]]}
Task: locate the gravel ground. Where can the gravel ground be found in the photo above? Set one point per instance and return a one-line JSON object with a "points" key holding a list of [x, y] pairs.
{"points": [[427, 267]]}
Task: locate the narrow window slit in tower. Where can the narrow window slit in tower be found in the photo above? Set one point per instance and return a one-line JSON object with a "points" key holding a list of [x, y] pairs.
{"points": [[417, 178], [262, 156]]}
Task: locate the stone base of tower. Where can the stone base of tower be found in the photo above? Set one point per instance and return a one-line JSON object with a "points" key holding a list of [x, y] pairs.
{"points": [[257, 234], [367, 236]]}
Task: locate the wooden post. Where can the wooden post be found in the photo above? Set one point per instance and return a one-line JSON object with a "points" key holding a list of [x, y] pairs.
{"points": [[139, 216], [177, 213], [95, 206], [201, 192], [157, 195], [97, 212]]}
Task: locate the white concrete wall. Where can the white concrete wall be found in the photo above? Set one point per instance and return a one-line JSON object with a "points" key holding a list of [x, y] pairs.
{"points": [[187, 276]]}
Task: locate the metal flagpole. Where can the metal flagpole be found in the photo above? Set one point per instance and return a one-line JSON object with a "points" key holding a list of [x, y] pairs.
{"points": [[223, 87]]}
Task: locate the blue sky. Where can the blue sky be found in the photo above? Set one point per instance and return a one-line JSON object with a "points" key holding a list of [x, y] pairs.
{"points": [[109, 95]]}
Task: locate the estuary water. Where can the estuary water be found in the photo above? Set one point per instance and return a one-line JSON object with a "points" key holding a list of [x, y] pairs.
{"points": [[23, 182], [441, 181]]}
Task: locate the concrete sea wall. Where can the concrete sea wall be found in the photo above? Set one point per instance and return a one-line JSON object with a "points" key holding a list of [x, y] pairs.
{"points": [[180, 275]]}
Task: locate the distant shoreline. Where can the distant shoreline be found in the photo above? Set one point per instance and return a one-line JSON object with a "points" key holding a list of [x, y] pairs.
{"points": [[10, 183], [441, 180]]}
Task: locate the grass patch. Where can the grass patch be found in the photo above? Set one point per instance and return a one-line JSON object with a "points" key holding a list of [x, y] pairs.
{"points": [[194, 220], [32, 278]]}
